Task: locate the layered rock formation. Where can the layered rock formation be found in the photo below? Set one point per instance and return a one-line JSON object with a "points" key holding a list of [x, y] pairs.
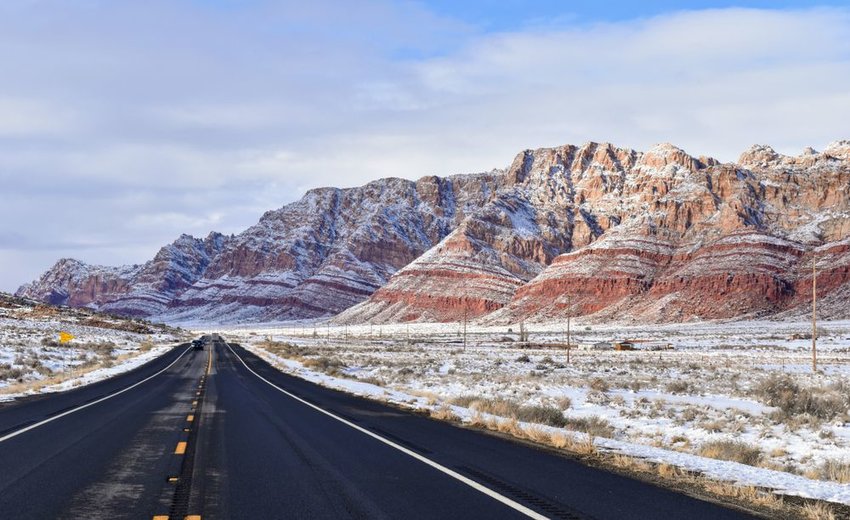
{"points": [[139, 290], [659, 236], [311, 258], [591, 230]]}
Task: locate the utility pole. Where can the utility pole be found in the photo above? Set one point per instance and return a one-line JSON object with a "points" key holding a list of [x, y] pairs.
{"points": [[465, 313], [814, 314], [569, 313]]}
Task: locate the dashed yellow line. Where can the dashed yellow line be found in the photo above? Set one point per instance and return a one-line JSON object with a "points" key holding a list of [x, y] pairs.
{"points": [[194, 403], [190, 418], [181, 448], [160, 517], [192, 517]]}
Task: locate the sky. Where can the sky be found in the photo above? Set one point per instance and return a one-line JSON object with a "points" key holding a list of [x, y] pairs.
{"points": [[126, 123]]}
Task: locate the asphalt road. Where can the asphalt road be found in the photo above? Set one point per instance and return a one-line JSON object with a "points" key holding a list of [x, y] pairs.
{"points": [[221, 434]]}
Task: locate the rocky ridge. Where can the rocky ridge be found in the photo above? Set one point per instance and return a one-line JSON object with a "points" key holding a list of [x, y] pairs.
{"points": [[654, 236], [592, 230]]}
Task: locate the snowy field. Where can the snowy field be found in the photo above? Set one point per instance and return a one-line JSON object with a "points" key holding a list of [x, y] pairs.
{"points": [[32, 360], [733, 401]]}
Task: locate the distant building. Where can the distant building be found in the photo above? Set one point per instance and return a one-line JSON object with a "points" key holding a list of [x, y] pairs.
{"points": [[624, 345], [599, 345]]}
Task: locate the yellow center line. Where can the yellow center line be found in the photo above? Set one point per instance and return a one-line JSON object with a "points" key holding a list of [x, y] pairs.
{"points": [[192, 517], [160, 517], [190, 418], [194, 403], [181, 448]]}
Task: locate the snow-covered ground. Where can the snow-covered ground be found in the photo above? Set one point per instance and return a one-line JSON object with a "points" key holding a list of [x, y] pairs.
{"points": [[32, 359], [742, 391]]}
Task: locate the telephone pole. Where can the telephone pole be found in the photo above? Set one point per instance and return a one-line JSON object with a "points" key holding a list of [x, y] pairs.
{"points": [[569, 313], [814, 314], [465, 314]]}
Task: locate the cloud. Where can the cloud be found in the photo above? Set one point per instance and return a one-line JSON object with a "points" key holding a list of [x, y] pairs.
{"points": [[123, 125]]}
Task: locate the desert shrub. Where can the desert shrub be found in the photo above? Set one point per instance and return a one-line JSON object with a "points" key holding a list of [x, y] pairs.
{"points": [[564, 402], [372, 380], [834, 470], [283, 349], [599, 384], [538, 414], [735, 451], [597, 397], [523, 359], [594, 426], [465, 401], [7, 371], [328, 365], [678, 387], [784, 393], [103, 348]]}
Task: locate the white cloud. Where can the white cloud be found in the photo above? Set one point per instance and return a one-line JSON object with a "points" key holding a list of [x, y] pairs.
{"points": [[145, 121], [22, 117]]}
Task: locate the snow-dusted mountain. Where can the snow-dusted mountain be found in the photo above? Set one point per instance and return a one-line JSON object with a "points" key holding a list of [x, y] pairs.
{"points": [[653, 236], [314, 257], [581, 230], [138, 290]]}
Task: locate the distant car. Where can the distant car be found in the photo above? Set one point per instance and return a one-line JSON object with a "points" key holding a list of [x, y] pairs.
{"points": [[197, 344]]}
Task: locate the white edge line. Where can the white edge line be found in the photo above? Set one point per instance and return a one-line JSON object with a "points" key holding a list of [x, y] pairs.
{"points": [[77, 409], [469, 482]]}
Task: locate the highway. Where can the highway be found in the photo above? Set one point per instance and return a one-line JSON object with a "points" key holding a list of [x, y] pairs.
{"points": [[218, 433]]}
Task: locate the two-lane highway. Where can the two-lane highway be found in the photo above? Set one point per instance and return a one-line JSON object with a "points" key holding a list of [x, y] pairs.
{"points": [[262, 444], [101, 451]]}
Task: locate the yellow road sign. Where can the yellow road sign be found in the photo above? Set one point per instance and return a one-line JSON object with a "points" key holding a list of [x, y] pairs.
{"points": [[65, 337]]}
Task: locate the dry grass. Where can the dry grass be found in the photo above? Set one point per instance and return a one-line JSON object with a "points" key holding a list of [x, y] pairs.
{"points": [[444, 413], [284, 349], [577, 444], [538, 414], [783, 392], [594, 426], [668, 471], [832, 470], [629, 463], [817, 511], [732, 450], [328, 365], [746, 494], [599, 384]]}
